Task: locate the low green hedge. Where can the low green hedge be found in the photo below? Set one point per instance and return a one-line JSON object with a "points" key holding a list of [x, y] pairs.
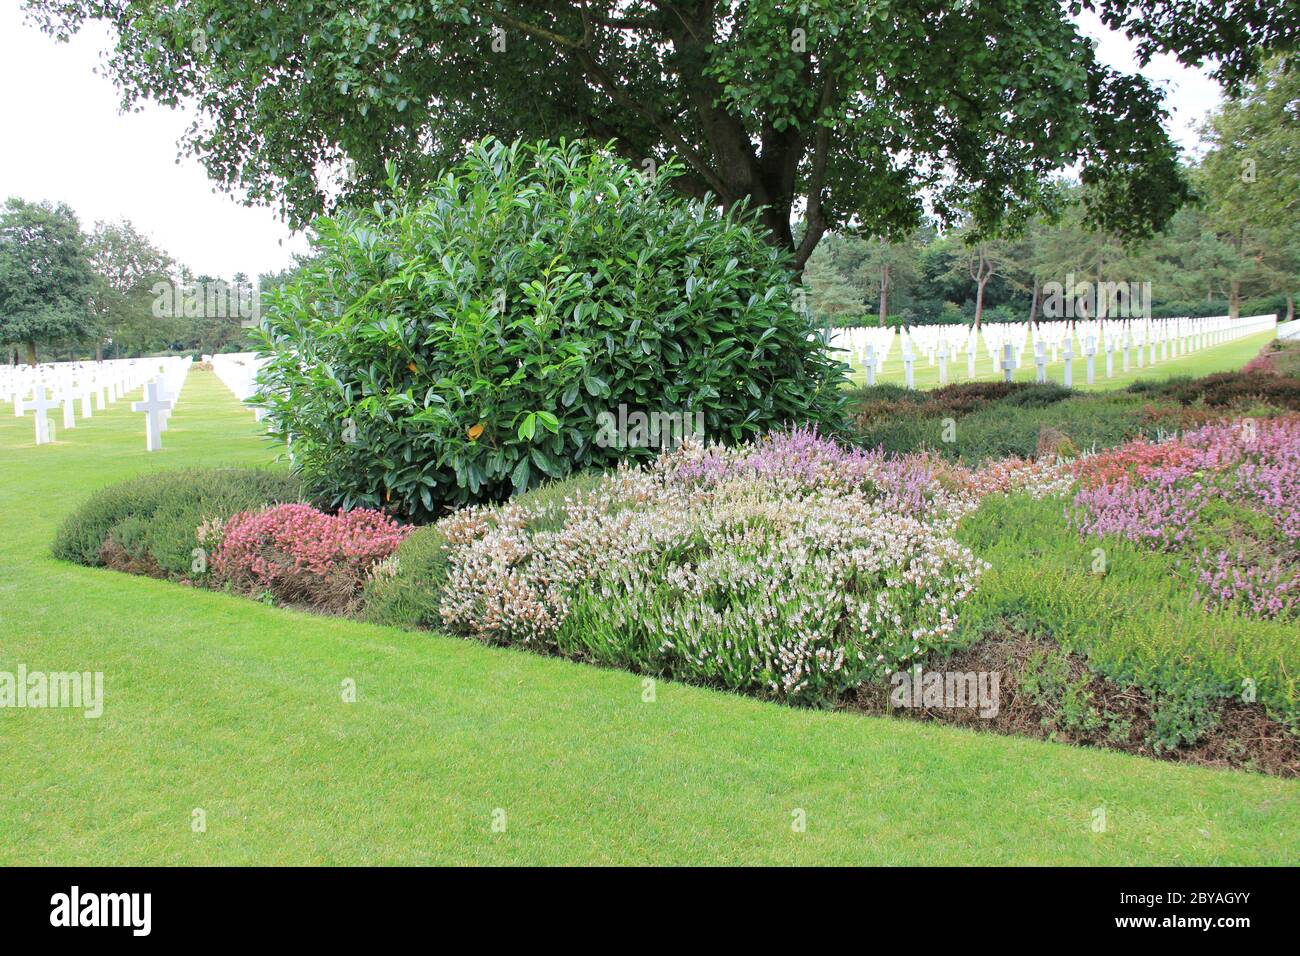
{"points": [[1011, 424], [153, 518], [410, 596]]}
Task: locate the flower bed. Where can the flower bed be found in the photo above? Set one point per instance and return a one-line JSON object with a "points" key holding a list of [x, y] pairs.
{"points": [[1225, 496], [793, 567]]}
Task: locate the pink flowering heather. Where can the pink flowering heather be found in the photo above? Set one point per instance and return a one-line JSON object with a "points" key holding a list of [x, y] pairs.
{"points": [[1225, 497], [791, 567], [301, 554]]}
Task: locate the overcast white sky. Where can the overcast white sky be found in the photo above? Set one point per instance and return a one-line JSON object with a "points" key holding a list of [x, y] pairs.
{"points": [[65, 140]]}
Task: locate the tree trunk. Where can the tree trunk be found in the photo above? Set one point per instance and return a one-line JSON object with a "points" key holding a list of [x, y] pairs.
{"points": [[99, 351], [1290, 307], [31, 353], [979, 302], [884, 293], [1103, 307], [1234, 300], [1033, 303]]}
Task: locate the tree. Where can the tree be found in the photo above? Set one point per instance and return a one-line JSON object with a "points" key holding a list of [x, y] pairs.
{"points": [[1250, 179], [829, 294], [886, 266], [982, 260], [838, 111], [45, 277], [127, 266], [1067, 253]]}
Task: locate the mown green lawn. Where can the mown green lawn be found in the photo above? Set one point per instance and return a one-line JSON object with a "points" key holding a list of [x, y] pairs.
{"points": [[1219, 358], [219, 704]]}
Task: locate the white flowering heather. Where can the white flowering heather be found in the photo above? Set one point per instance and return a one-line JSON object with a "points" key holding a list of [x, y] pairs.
{"points": [[791, 568]]}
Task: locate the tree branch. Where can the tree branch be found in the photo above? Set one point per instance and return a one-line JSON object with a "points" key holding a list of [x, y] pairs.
{"points": [[816, 219]]}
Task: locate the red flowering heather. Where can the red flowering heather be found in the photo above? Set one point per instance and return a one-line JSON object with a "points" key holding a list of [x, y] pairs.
{"points": [[300, 554], [1260, 363]]}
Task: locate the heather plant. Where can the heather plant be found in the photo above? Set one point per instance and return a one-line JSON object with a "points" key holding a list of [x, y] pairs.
{"points": [[1225, 497], [1234, 390], [1012, 419], [1124, 606], [461, 344], [999, 420], [791, 567], [409, 592], [299, 554]]}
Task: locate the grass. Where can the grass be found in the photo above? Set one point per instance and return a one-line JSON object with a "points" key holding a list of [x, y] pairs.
{"points": [[1219, 358], [1135, 622], [220, 704]]}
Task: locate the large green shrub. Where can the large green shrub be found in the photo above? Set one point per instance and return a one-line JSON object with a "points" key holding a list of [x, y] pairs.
{"points": [[460, 345], [151, 520]]}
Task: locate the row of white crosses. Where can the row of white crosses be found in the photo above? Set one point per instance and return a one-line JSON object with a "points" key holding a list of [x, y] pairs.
{"points": [[42, 389], [1137, 343], [105, 381], [864, 347], [238, 372]]}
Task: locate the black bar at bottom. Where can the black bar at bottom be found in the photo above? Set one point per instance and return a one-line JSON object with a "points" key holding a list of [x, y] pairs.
{"points": [[334, 906]]}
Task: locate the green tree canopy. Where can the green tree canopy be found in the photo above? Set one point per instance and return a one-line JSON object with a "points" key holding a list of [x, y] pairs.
{"points": [[1250, 179], [127, 265], [839, 111], [45, 276]]}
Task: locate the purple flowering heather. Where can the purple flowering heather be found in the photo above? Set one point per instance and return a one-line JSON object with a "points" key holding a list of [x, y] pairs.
{"points": [[1160, 496], [806, 459]]}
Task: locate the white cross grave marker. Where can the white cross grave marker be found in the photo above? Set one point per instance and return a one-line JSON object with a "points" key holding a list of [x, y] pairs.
{"points": [[1040, 362], [153, 406], [1007, 362], [40, 404], [871, 365], [943, 364], [165, 395], [1092, 359], [1068, 354]]}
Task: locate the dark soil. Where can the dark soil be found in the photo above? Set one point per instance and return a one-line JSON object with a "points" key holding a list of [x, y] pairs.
{"points": [[1245, 736], [116, 558]]}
